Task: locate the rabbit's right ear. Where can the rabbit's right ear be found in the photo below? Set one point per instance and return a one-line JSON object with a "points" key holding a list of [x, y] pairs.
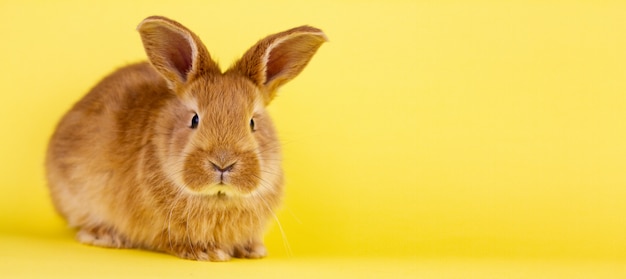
{"points": [[174, 51]]}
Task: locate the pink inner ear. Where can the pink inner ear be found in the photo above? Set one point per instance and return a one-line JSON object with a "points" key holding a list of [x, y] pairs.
{"points": [[180, 58], [177, 51], [277, 60], [289, 57]]}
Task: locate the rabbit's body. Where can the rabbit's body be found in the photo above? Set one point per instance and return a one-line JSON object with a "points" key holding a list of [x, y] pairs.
{"points": [[175, 155]]}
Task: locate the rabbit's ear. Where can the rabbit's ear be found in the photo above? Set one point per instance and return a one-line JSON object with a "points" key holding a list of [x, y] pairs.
{"points": [[278, 58], [175, 52]]}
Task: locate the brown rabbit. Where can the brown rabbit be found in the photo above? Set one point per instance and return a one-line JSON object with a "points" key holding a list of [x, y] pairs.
{"points": [[176, 156]]}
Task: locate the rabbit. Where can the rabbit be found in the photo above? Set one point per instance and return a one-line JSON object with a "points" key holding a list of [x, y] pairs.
{"points": [[173, 155]]}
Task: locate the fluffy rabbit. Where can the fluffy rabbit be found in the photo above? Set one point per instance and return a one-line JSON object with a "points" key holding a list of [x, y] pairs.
{"points": [[175, 155]]}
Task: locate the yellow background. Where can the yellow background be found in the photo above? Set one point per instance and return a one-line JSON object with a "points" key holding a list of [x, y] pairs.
{"points": [[433, 139]]}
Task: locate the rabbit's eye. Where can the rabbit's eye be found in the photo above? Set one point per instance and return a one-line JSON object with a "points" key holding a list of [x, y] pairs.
{"points": [[252, 125], [194, 121]]}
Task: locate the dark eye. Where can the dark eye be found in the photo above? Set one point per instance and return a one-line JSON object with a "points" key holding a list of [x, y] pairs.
{"points": [[252, 125], [194, 121]]}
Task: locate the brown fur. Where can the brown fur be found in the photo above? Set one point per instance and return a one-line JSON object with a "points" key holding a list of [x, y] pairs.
{"points": [[126, 169]]}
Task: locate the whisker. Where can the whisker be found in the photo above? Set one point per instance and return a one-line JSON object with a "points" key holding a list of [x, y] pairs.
{"points": [[293, 215], [187, 231], [280, 228], [169, 220], [265, 184]]}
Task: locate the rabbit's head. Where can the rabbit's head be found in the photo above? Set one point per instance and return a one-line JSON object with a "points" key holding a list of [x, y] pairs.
{"points": [[215, 136]]}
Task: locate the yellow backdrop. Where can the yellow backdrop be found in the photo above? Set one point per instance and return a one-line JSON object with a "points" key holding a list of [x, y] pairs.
{"points": [[423, 131]]}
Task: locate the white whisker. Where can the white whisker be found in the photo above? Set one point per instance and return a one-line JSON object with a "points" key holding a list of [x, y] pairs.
{"points": [[191, 248], [280, 226], [169, 218]]}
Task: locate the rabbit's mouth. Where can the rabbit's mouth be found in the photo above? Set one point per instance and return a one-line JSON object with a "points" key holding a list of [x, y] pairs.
{"points": [[220, 190]]}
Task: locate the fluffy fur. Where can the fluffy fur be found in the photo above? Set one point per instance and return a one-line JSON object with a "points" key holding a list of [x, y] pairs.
{"points": [[127, 168]]}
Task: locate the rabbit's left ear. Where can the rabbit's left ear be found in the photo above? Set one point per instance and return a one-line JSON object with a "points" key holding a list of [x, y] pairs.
{"points": [[278, 58]]}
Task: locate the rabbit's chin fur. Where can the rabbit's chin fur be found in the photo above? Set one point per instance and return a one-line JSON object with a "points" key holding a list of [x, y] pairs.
{"points": [[175, 155]]}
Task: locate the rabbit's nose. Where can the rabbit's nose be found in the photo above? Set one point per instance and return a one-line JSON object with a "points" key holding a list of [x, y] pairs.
{"points": [[222, 168]]}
